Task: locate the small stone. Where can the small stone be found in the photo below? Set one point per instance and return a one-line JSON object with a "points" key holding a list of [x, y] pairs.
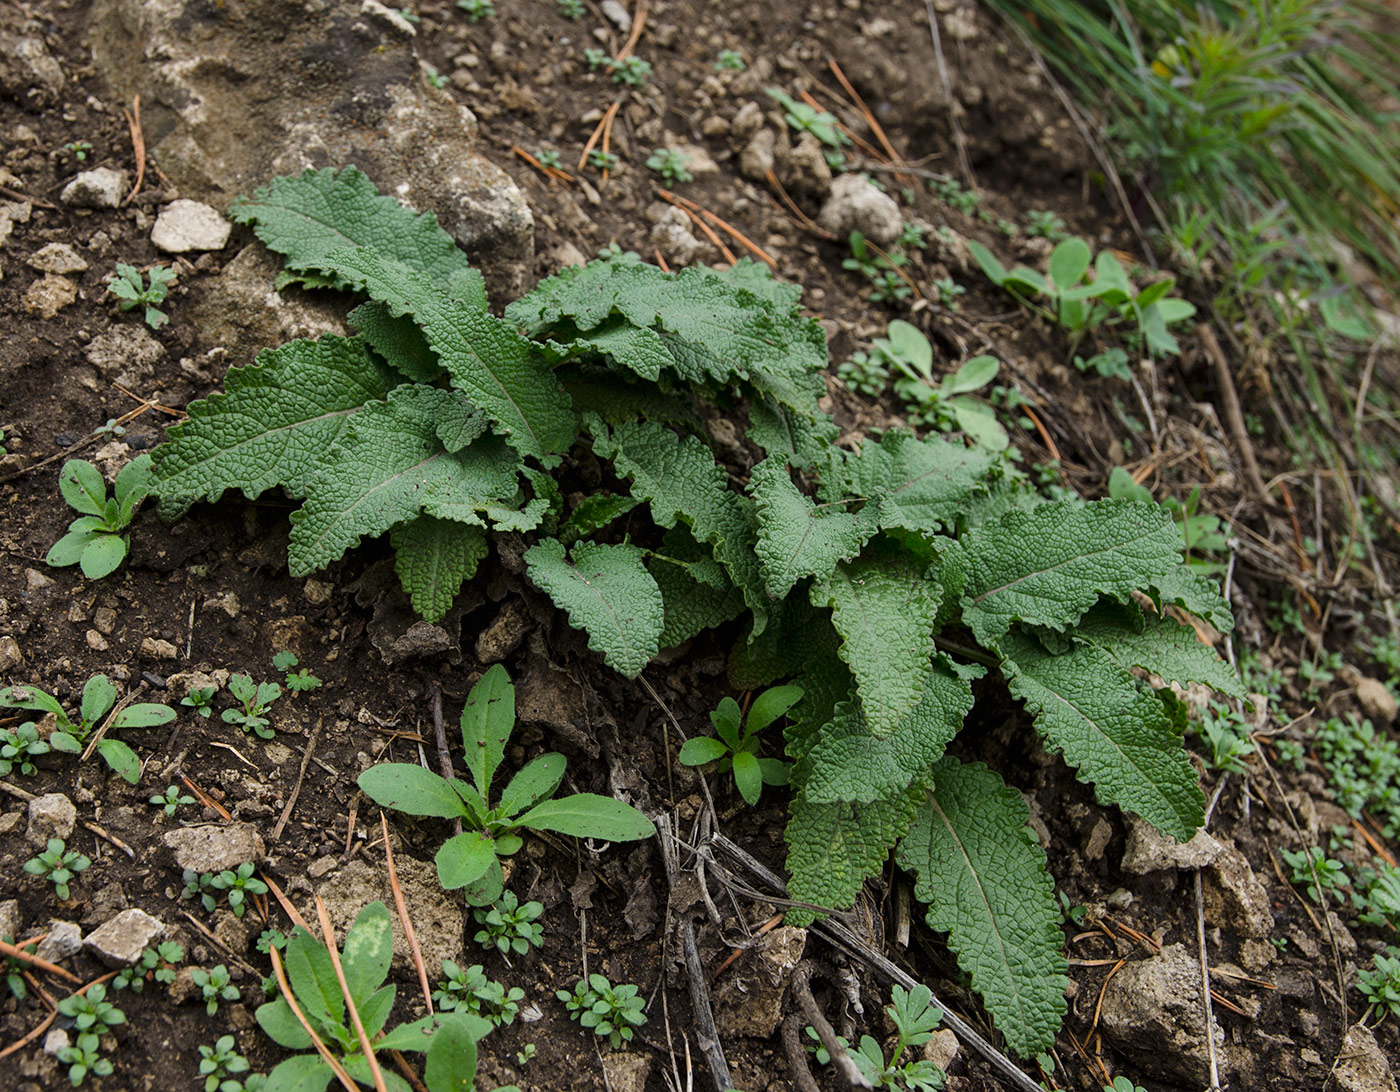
{"points": [[1256, 955], [215, 848], [715, 126], [673, 237], [1376, 700], [10, 919], [1361, 1066], [125, 349], [626, 1072], [698, 160], [1148, 850], [57, 258], [55, 1041], [323, 866], [942, 1049], [504, 634], [102, 188], [807, 169], [50, 816], [65, 939], [1233, 897], [747, 122], [1098, 840], [750, 1000], [184, 225], [155, 648], [856, 205], [49, 295], [96, 641], [35, 581], [104, 620], [317, 592], [120, 941], [1152, 1013], [758, 156], [183, 989], [616, 14], [10, 655]]}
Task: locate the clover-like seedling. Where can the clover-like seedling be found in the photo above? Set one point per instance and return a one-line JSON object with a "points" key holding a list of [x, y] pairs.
{"points": [[215, 985], [220, 1061], [808, 119], [548, 157], [510, 926], [239, 883], [78, 149], [630, 71], [171, 799], [296, 680], [132, 290], [83, 1058], [95, 541], [610, 1011], [471, 991], [59, 865], [570, 9], [736, 745], [201, 700], [18, 746], [158, 963], [1381, 985], [729, 60], [91, 1011], [1123, 1084], [671, 164], [256, 699], [600, 160], [472, 857], [1045, 224], [1331, 874]]}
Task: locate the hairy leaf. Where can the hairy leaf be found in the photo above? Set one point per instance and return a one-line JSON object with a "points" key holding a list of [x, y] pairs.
{"points": [[795, 537], [397, 339], [389, 467], [884, 605], [849, 761], [1133, 638], [273, 425], [1184, 587], [796, 636], [608, 593], [920, 485], [308, 216], [696, 592], [980, 869], [1114, 732], [1046, 567], [488, 361], [834, 848], [801, 439], [433, 557]]}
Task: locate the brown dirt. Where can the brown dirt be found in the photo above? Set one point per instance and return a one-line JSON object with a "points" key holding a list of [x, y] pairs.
{"points": [[215, 585]]}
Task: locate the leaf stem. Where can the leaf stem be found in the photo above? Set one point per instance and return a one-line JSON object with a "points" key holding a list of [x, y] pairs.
{"points": [[966, 651]]}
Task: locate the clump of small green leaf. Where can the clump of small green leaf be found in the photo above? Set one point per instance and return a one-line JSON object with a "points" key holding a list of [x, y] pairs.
{"points": [[99, 696], [95, 541], [631, 71], [157, 963], [18, 747], [171, 800], [220, 1062], [235, 884], [256, 700], [201, 700], [85, 1057], [132, 290], [672, 165], [13, 969], [611, 1011], [736, 748], [510, 925], [914, 1018], [215, 985], [297, 681], [1380, 985], [490, 829], [472, 992]]}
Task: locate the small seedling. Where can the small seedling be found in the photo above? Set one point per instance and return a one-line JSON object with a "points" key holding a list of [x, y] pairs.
{"points": [[1122, 1084], [1227, 734], [948, 404], [472, 992], [477, 10], [99, 695], [94, 540], [736, 746], [18, 746], [1381, 985], [1111, 364], [729, 60], [158, 963], [111, 429], [132, 290], [808, 119], [600, 160], [525, 1055], [238, 882], [948, 292], [490, 832], [881, 270], [437, 79], [269, 939], [548, 157], [59, 865], [215, 985], [611, 1011], [1331, 874], [78, 149], [570, 9], [951, 192], [92, 1011], [865, 373], [172, 799], [510, 926], [83, 1058], [220, 1061], [257, 699], [670, 164], [912, 237], [296, 680], [1045, 224], [201, 700], [13, 970], [631, 71], [914, 1018]]}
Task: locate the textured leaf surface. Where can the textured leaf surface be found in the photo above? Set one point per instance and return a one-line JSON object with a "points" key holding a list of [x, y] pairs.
{"points": [[306, 217], [712, 330], [1115, 733], [800, 438], [433, 557], [834, 848], [796, 636], [274, 423], [1184, 587], [1046, 567], [608, 593], [795, 537], [397, 339], [884, 606], [388, 468], [496, 368], [696, 592], [982, 873], [848, 761], [1134, 638], [920, 485]]}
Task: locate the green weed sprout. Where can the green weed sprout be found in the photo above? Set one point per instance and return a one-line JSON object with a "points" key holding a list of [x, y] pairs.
{"points": [[92, 1011], [18, 746], [59, 865], [78, 149], [490, 830], [158, 963], [1122, 1084], [132, 290], [296, 680], [510, 926], [1381, 985], [630, 71], [237, 882], [736, 747], [1331, 874], [171, 800], [914, 1018], [220, 1061], [470, 991], [611, 1011], [670, 164], [99, 695], [949, 403], [477, 10], [1045, 224], [12, 970], [83, 1058], [215, 985], [257, 699], [729, 60], [600, 160], [201, 700], [94, 540], [548, 157], [570, 9], [808, 119]]}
